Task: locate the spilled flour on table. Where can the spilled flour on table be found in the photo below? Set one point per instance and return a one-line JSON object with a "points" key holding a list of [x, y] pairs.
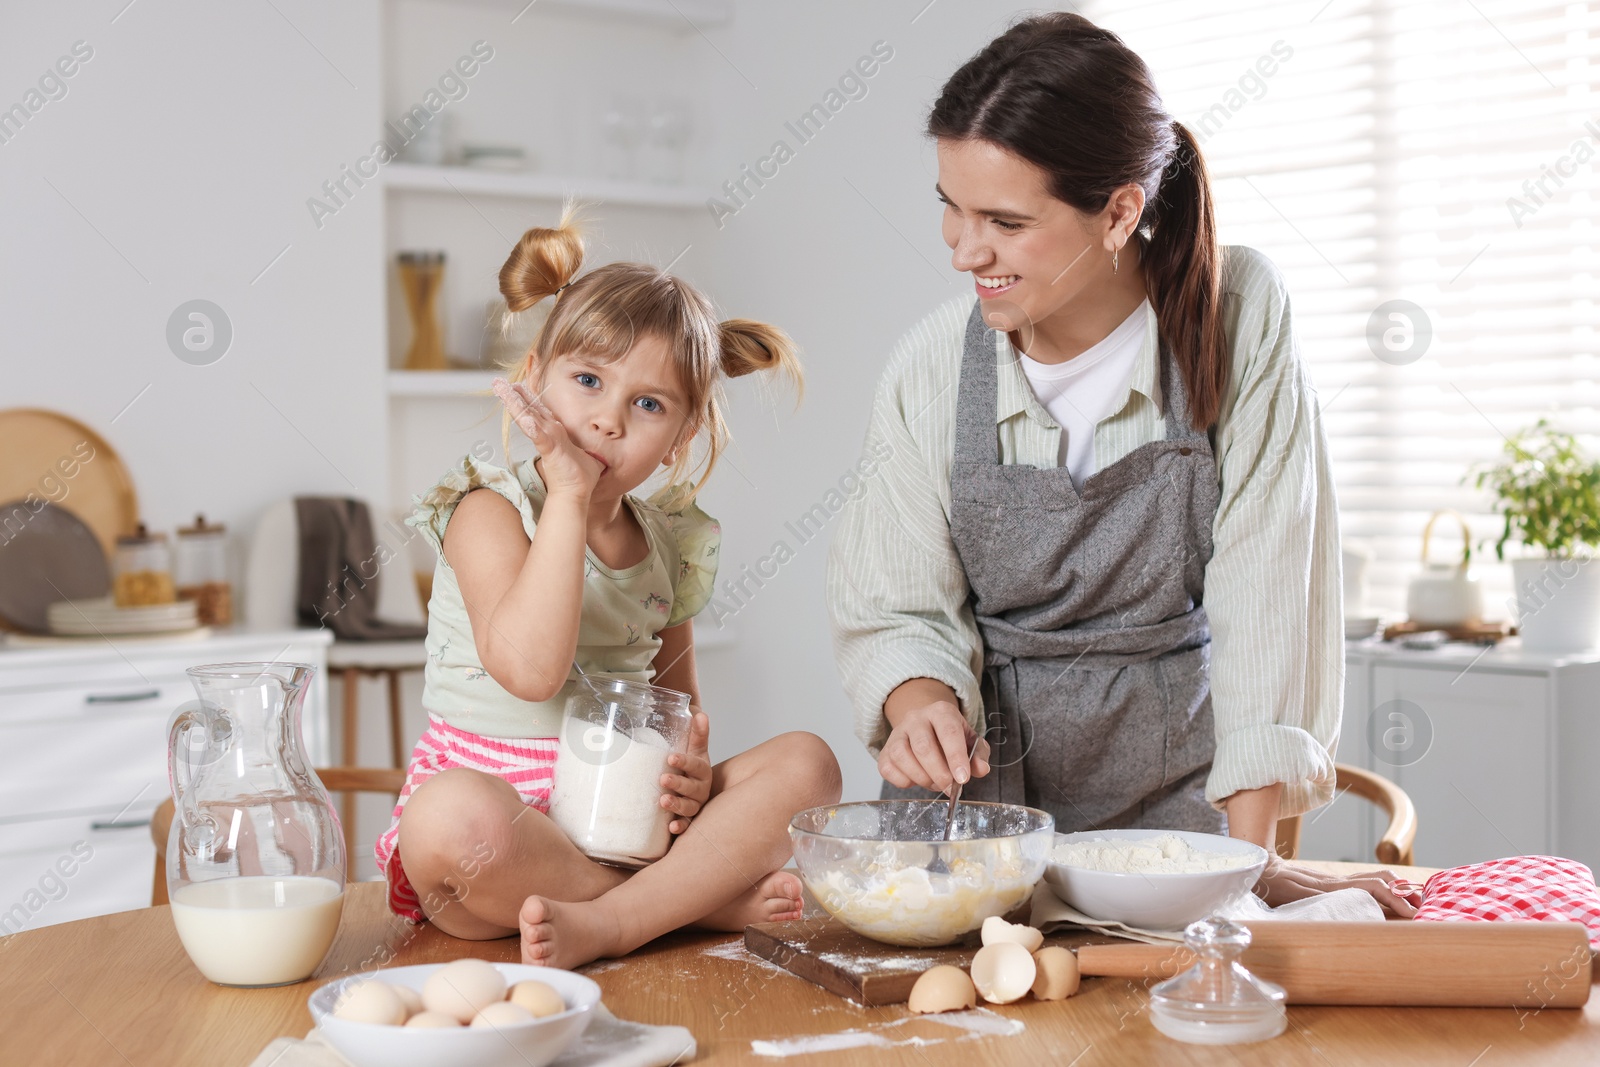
{"points": [[855, 963], [735, 950], [978, 1023]]}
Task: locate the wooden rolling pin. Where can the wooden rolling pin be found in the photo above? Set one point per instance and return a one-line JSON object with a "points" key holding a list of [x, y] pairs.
{"points": [[1407, 964]]}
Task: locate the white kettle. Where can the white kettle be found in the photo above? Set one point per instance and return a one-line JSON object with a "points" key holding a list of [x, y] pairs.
{"points": [[1445, 594]]}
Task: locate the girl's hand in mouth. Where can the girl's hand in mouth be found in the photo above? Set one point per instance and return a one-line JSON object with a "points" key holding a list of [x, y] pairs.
{"points": [[565, 467]]}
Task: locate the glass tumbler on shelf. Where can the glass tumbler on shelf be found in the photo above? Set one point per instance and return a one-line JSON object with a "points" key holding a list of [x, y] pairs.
{"points": [[616, 736], [255, 857], [669, 138], [421, 278], [201, 571], [142, 570], [624, 125]]}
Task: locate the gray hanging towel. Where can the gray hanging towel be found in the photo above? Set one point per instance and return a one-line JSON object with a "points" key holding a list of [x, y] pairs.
{"points": [[339, 569]]}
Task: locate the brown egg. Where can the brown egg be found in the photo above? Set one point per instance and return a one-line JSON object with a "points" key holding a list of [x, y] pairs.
{"points": [[501, 1013], [1003, 972], [1058, 973], [537, 999], [371, 1001], [462, 987], [942, 988], [410, 998]]}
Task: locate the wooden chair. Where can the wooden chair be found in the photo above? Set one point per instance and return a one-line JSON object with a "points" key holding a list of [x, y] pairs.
{"points": [[346, 780], [1394, 847]]}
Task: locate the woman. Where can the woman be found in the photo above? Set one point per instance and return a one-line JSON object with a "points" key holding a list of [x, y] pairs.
{"points": [[1103, 556]]}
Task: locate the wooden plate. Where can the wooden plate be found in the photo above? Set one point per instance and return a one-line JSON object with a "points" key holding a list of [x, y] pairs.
{"points": [[46, 555], [45, 455]]}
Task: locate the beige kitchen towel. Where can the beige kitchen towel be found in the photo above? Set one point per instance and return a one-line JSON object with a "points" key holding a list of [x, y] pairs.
{"points": [[607, 1042], [1342, 905]]}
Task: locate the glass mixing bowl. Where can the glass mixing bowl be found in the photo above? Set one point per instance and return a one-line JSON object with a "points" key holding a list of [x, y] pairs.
{"points": [[868, 864]]}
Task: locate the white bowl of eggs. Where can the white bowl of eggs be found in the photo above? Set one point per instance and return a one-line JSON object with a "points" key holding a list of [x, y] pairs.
{"points": [[466, 1012]]}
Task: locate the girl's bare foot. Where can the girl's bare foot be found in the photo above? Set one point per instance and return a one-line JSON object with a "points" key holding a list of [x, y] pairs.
{"points": [[775, 898], [566, 934]]}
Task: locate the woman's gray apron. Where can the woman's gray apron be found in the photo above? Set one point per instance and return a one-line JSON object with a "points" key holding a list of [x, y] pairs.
{"points": [[1095, 684]]}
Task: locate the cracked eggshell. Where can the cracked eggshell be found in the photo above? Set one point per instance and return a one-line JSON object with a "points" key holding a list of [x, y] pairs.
{"points": [[1058, 973], [942, 988], [1003, 972], [996, 930], [459, 989]]}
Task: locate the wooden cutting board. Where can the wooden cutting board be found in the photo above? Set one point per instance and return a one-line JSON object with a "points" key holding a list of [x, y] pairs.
{"points": [[869, 972], [1465, 964]]}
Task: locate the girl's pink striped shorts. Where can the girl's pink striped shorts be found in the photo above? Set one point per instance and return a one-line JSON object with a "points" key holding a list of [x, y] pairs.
{"points": [[528, 763]]}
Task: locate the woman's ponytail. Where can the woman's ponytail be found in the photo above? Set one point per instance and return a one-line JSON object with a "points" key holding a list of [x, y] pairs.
{"points": [[1183, 276], [543, 262]]}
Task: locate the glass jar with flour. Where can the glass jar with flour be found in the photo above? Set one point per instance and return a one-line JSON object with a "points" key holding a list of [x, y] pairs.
{"points": [[616, 736]]}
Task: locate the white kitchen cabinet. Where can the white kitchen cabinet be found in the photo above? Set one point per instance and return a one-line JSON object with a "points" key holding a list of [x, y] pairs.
{"points": [[1495, 749], [84, 731]]}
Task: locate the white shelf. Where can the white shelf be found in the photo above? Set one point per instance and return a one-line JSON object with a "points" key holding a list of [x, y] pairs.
{"points": [[421, 178], [463, 383], [683, 15]]}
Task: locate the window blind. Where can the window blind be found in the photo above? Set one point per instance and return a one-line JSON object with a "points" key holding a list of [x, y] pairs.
{"points": [[1440, 152]]}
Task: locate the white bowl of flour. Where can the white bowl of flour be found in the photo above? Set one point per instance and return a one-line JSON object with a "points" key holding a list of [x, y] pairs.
{"points": [[1151, 879]]}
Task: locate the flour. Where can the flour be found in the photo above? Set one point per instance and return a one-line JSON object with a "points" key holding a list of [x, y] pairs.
{"points": [[735, 950], [978, 1023], [612, 811], [1166, 854], [908, 905]]}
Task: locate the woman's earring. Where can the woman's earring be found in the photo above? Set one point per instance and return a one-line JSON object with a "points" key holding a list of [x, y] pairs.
{"points": [[1114, 252]]}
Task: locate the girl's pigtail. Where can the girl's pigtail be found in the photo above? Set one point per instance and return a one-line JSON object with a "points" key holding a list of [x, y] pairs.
{"points": [[749, 346], [543, 262]]}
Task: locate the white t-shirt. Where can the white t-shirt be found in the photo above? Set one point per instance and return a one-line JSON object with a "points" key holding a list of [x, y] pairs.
{"points": [[1091, 386]]}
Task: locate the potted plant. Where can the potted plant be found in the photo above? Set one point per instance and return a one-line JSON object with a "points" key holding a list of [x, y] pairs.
{"points": [[1548, 489]]}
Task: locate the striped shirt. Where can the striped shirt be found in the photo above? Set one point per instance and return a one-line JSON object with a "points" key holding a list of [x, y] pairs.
{"points": [[899, 598]]}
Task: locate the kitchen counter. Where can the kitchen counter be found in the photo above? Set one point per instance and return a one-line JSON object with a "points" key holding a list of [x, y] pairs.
{"points": [[118, 989]]}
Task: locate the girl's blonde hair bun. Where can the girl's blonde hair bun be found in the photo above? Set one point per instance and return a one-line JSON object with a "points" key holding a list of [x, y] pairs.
{"points": [[544, 260], [749, 346]]}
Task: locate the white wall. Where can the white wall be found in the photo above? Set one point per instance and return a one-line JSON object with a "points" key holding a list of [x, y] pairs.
{"points": [[842, 249], [180, 160], [190, 142]]}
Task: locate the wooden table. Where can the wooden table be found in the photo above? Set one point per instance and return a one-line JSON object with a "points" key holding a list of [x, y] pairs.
{"points": [[118, 990]]}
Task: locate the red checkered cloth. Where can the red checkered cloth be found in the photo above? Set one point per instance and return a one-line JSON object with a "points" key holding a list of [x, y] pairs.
{"points": [[1516, 889]]}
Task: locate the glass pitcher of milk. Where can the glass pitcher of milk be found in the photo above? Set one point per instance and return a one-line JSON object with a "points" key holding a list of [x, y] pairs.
{"points": [[255, 856]]}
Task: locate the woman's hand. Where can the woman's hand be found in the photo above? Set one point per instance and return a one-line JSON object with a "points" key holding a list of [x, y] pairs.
{"points": [[928, 747], [688, 790], [1283, 881], [564, 467]]}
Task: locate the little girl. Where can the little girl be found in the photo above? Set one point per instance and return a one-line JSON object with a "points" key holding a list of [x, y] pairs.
{"points": [[553, 562]]}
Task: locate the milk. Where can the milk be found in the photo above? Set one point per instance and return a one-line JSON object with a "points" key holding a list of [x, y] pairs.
{"points": [[257, 931]]}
